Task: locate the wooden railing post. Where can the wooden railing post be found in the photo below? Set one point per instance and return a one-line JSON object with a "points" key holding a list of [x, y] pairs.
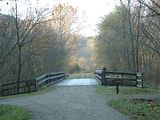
{"points": [[142, 81], [139, 80], [2, 90], [117, 88], [136, 80], [35, 85], [104, 77]]}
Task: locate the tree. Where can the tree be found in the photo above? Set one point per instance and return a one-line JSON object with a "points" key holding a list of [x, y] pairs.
{"points": [[150, 26], [129, 41], [115, 50], [20, 34], [64, 25]]}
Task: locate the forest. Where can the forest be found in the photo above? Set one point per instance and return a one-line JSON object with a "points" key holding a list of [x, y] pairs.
{"points": [[36, 41], [129, 39]]}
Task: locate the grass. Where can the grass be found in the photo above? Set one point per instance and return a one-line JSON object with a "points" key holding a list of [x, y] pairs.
{"points": [[126, 90], [81, 75], [10, 112], [138, 109], [39, 92], [105, 90]]}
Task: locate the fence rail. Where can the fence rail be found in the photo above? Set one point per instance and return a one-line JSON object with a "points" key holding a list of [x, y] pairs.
{"points": [[50, 78], [124, 78], [28, 86], [24, 87]]}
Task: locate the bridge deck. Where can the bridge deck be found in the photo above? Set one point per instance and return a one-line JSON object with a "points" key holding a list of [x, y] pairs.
{"points": [[74, 82]]}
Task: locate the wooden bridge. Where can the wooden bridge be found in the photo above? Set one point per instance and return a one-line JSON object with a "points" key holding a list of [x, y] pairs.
{"points": [[122, 78], [28, 86], [106, 78]]}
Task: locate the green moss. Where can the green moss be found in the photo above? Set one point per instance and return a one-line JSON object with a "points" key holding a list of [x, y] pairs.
{"points": [[105, 90], [126, 90], [138, 110], [135, 90], [10, 112], [81, 75]]}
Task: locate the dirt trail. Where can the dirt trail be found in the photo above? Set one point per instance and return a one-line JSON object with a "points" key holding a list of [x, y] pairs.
{"points": [[68, 103]]}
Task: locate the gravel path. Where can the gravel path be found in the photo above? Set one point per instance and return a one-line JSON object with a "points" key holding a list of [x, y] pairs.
{"points": [[68, 103]]}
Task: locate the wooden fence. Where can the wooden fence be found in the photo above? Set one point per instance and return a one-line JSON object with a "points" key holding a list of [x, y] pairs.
{"points": [[28, 86], [50, 78], [123, 78], [24, 87]]}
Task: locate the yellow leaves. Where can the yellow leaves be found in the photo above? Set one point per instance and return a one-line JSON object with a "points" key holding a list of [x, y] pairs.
{"points": [[63, 17], [91, 43]]}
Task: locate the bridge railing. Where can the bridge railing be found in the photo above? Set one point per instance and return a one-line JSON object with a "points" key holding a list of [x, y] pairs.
{"points": [[25, 86], [50, 78], [98, 74], [124, 78], [28, 86]]}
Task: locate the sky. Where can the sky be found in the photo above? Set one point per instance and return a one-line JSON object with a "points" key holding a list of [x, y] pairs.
{"points": [[90, 12]]}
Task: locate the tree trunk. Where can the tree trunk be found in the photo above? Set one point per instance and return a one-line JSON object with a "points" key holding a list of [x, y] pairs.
{"points": [[19, 49], [131, 35]]}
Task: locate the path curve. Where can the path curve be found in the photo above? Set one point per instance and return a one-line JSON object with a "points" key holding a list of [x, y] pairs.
{"points": [[68, 103]]}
